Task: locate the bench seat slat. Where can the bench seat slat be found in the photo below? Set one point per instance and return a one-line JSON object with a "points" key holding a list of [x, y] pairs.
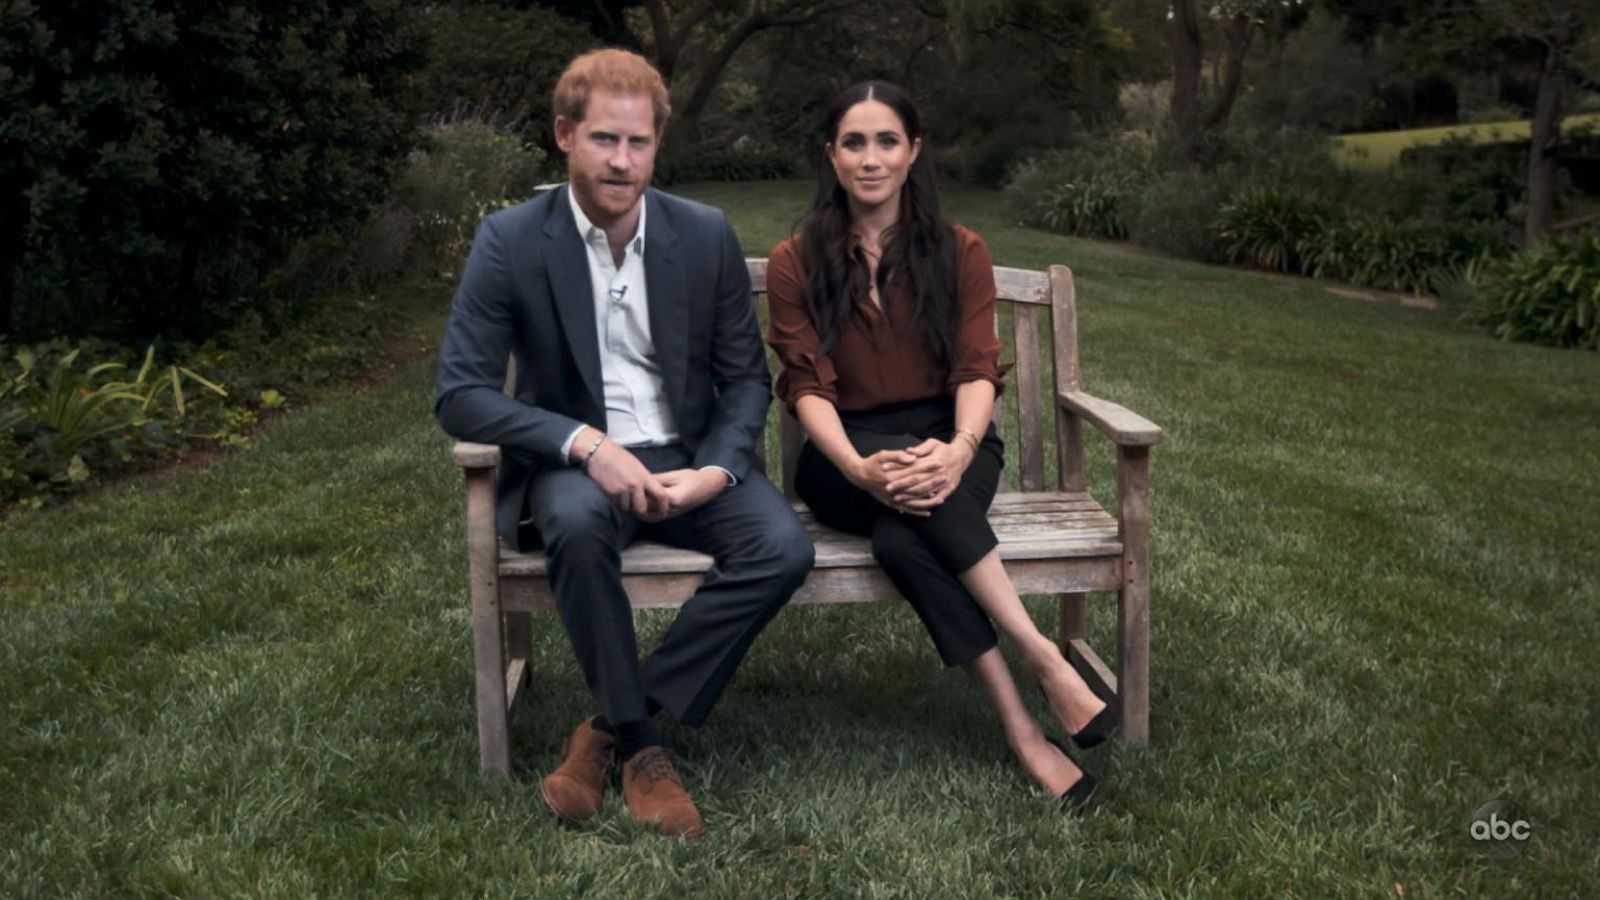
{"points": [[842, 584], [1029, 526]]}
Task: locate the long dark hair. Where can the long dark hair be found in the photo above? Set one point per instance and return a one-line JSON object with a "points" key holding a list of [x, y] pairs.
{"points": [[919, 247]]}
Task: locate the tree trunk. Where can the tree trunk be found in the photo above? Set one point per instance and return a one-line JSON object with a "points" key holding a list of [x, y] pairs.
{"points": [[1543, 145], [673, 34], [1187, 56], [710, 75], [1239, 33], [182, 313], [612, 16], [666, 48], [7, 304]]}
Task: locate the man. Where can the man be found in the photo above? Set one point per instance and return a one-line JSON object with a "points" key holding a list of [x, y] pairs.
{"points": [[641, 387]]}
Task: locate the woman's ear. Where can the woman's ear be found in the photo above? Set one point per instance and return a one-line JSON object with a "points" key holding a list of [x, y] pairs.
{"points": [[916, 150]]}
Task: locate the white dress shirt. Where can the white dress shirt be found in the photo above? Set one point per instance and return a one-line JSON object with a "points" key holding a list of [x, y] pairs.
{"points": [[637, 414]]}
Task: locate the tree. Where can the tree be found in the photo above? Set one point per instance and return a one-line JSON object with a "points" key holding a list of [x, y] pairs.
{"points": [[712, 32], [1238, 21], [1563, 36], [995, 81], [1556, 42], [157, 155], [606, 19], [499, 63]]}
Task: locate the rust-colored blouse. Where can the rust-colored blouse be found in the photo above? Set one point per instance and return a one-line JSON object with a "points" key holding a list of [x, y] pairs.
{"points": [[880, 359]]}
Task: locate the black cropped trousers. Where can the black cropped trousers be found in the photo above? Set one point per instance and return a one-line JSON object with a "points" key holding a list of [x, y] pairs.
{"points": [[922, 555]]}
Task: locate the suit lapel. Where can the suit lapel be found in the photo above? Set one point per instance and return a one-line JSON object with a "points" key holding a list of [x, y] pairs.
{"points": [[669, 301], [567, 260]]}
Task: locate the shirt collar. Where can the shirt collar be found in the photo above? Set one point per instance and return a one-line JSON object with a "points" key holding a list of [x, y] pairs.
{"points": [[588, 230]]}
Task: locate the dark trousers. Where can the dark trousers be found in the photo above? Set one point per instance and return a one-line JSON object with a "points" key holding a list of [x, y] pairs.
{"points": [[762, 554], [922, 556]]}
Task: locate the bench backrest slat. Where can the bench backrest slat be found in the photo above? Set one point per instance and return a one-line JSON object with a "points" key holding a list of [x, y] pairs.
{"points": [[998, 414], [1030, 445], [1064, 339], [1025, 294]]}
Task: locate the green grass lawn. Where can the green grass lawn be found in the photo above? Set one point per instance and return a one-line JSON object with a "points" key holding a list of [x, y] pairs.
{"points": [[1377, 539], [1381, 149]]}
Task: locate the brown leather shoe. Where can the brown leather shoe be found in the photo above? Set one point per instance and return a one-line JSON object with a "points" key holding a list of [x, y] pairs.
{"points": [[574, 790], [655, 795]]}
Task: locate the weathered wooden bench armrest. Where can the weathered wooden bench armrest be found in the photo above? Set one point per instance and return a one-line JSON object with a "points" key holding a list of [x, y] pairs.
{"points": [[1126, 428], [468, 455]]}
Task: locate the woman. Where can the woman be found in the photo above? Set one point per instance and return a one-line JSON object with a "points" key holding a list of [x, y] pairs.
{"points": [[882, 315]]}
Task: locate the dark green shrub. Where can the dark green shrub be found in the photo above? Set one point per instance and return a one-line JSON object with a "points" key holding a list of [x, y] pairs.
{"points": [[495, 64], [1336, 252], [95, 428], [1090, 206], [1399, 255], [1270, 228], [381, 249], [156, 157], [726, 165], [1295, 162], [1081, 191], [461, 171], [1415, 256], [1179, 214], [314, 267], [1314, 78], [1274, 199], [1548, 295], [1460, 178], [1000, 152], [1457, 290], [1487, 181], [70, 417]]}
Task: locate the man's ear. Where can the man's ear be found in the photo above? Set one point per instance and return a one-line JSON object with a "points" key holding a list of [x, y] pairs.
{"points": [[566, 133]]}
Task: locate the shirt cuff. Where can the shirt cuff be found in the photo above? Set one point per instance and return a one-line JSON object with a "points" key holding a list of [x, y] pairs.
{"points": [[731, 480], [566, 445]]}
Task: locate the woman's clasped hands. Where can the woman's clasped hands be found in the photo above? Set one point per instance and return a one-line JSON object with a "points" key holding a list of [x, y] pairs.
{"points": [[916, 479]]}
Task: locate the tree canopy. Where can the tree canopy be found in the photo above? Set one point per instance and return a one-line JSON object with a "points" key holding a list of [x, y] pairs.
{"points": [[156, 155]]}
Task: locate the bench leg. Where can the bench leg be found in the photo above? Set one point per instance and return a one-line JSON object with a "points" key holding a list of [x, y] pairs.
{"points": [[489, 664], [494, 741], [519, 655], [1074, 619], [1133, 600]]}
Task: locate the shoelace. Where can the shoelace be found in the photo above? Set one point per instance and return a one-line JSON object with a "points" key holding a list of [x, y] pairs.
{"points": [[653, 766]]}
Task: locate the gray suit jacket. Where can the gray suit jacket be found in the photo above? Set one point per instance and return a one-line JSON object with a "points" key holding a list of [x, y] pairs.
{"points": [[525, 292]]}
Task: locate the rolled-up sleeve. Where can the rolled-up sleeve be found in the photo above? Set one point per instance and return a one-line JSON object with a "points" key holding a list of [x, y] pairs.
{"points": [[804, 369], [977, 353]]}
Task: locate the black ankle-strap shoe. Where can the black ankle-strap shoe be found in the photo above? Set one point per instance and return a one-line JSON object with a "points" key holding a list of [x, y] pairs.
{"points": [[1075, 799], [1096, 730]]}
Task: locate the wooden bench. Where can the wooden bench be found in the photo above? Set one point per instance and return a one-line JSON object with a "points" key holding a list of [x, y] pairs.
{"points": [[1058, 541]]}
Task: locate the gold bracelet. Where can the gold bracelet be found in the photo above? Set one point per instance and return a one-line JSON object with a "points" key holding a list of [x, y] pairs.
{"points": [[967, 433]]}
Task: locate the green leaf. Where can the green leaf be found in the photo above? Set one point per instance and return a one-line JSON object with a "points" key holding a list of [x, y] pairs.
{"points": [[77, 470]]}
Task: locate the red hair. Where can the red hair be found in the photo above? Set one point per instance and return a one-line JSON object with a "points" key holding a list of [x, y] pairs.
{"points": [[614, 70]]}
